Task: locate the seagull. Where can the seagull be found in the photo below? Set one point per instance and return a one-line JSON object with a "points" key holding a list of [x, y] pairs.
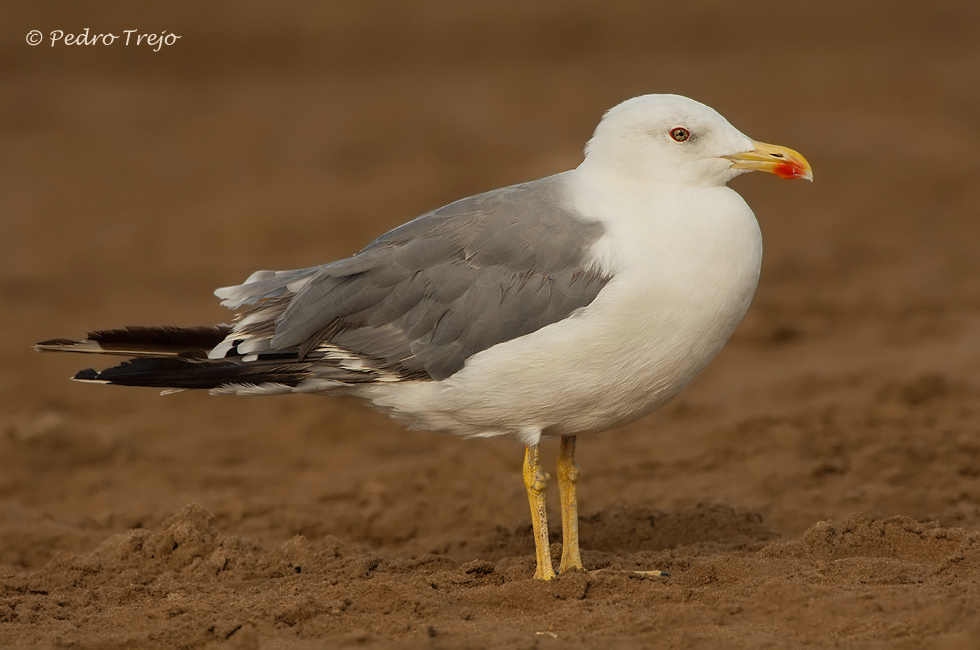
{"points": [[563, 306]]}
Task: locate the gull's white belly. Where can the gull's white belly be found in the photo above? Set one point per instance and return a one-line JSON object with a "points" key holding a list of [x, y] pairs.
{"points": [[678, 290]]}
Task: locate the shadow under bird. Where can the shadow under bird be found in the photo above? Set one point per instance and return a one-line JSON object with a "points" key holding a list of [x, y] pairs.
{"points": [[563, 306]]}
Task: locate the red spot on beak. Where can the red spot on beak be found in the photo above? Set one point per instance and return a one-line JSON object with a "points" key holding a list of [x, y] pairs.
{"points": [[787, 170]]}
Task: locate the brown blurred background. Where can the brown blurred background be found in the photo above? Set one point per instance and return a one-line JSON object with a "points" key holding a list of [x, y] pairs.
{"points": [[284, 135]]}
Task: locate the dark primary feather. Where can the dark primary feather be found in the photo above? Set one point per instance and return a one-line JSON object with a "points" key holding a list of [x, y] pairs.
{"points": [[177, 372], [184, 341], [144, 341]]}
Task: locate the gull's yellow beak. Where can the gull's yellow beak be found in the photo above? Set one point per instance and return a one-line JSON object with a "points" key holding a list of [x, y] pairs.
{"points": [[774, 159]]}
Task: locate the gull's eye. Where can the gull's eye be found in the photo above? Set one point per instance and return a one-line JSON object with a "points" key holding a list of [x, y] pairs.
{"points": [[680, 134]]}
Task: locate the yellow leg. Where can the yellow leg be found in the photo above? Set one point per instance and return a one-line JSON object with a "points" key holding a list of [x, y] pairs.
{"points": [[536, 480], [571, 560]]}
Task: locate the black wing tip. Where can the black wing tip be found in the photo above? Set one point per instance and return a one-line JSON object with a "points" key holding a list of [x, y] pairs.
{"points": [[197, 336], [141, 341], [53, 343], [179, 373]]}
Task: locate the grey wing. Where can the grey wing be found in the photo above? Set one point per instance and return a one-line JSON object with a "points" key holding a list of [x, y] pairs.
{"points": [[420, 300]]}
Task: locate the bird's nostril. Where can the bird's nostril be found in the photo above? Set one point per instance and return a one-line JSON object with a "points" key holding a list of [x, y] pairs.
{"points": [[776, 155]]}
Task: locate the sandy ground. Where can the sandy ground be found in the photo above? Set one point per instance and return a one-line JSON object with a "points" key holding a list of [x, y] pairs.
{"points": [[819, 486]]}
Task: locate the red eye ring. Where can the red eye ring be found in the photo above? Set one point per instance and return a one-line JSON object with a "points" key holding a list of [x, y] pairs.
{"points": [[680, 134]]}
